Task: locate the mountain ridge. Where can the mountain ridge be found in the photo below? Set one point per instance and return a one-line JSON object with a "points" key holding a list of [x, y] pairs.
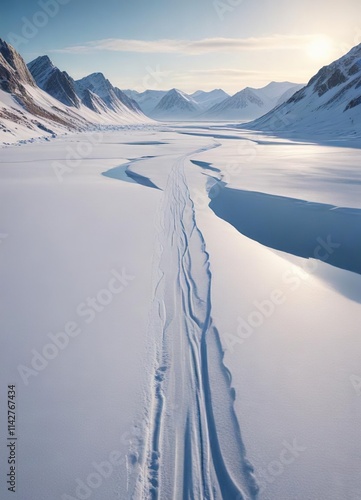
{"points": [[250, 102], [46, 103], [328, 103]]}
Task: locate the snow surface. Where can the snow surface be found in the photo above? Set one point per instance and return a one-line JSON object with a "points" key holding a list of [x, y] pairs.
{"points": [[181, 372]]}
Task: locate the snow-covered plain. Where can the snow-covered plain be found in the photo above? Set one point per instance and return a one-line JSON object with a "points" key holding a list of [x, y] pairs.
{"points": [[120, 292]]}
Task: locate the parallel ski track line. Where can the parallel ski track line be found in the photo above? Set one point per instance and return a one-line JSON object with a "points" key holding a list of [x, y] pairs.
{"points": [[185, 456]]}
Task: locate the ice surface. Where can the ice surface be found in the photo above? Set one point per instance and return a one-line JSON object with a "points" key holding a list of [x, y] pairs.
{"points": [[219, 354]]}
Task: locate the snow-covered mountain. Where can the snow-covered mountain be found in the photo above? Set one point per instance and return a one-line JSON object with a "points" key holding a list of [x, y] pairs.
{"points": [[176, 105], [288, 94], [14, 72], [47, 102], [94, 91], [55, 82], [276, 90], [245, 104], [213, 105], [201, 100], [146, 100], [328, 104], [94, 102], [208, 99], [252, 103], [113, 97], [26, 110]]}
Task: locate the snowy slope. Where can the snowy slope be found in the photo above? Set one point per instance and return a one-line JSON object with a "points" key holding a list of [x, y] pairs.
{"points": [[329, 104], [288, 94], [251, 103]]}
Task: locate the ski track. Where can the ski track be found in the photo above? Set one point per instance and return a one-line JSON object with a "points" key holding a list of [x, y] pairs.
{"points": [[193, 447]]}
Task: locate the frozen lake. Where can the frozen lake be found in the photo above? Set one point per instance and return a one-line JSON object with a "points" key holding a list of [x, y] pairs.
{"points": [[165, 348]]}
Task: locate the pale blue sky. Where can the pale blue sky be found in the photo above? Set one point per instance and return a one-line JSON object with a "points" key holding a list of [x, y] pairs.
{"points": [[189, 44]]}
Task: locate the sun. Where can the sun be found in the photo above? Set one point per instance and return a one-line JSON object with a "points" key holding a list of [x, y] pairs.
{"points": [[320, 49]]}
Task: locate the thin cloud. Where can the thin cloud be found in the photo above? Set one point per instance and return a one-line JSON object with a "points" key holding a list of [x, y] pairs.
{"points": [[193, 47]]}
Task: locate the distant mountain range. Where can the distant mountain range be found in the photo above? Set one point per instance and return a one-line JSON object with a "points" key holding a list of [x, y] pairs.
{"points": [[214, 105], [39, 99], [330, 103], [176, 105], [251, 103], [146, 100], [208, 99]]}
